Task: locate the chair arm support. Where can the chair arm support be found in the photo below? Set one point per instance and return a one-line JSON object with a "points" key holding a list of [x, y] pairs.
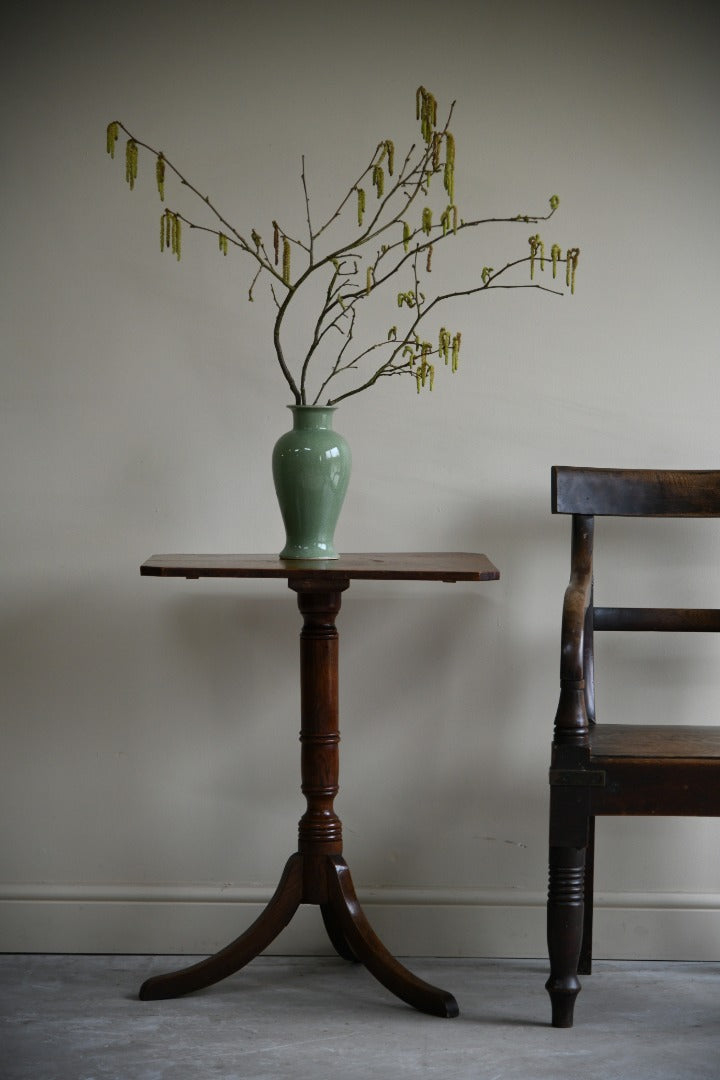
{"points": [[578, 597], [571, 719]]}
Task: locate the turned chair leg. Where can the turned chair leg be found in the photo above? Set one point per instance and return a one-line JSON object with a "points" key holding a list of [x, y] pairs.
{"points": [[585, 962], [565, 930]]}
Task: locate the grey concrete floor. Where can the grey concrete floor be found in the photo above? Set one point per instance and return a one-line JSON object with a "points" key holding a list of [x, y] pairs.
{"points": [[78, 1018]]}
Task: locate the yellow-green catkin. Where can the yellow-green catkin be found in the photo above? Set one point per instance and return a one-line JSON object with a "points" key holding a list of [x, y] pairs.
{"points": [[131, 162], [392, 333], [554, 202], [113, 131], [160, 176], [360, 204], [444, 344], [449, 176], [387, 151], [427, 220], [487, 272], [571, 261], [256, 238], [368, 280], [555, 254], [536, 248], [378, 179], [437, 144], [456, 341], [428, 263], [223, 243], [176, 236], [426, 112], [407, 233], [449, 219], [425, 374], [286, 261], [171, 233]]}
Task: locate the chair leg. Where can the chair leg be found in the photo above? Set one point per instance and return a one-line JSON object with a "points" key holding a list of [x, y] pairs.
{"points": [[564, 930], [585, 964]]}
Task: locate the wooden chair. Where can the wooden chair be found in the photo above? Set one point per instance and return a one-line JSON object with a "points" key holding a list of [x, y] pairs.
{"points": [[614, 769]]}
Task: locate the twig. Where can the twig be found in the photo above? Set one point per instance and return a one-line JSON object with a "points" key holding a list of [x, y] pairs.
{"points": [[348, 284]]}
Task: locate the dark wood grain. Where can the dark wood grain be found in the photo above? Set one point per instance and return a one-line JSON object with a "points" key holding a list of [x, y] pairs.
{"points": [[368, 948], [317, 873], [617, 769], [446, 566], [685, 620], [274, 918], [635, 492], [644, 741]]}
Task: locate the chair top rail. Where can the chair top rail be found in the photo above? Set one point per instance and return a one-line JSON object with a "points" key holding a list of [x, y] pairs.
{"points": [[636, 492]]}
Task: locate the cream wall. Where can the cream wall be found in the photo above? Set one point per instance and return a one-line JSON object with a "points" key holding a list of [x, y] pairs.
{"points": [[149, 786]]}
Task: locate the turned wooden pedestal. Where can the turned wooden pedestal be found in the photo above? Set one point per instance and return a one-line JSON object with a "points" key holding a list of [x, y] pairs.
{"points": [[317, 872]]}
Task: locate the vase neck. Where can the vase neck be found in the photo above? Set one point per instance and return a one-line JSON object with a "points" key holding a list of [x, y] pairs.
{"points": [[312, 416]]}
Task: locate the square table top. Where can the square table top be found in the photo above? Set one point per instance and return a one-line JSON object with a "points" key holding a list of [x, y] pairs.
{"points": [[447, 566]]}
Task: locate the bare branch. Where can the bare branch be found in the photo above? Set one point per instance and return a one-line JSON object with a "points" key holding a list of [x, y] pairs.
{"points": [[310, 249], [410, 218]]}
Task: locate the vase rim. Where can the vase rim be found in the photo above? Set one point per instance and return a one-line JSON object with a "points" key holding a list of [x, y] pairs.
{"points": [[325, 408]]}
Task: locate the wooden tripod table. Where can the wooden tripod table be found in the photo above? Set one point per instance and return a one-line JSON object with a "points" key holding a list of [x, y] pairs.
{"points": [[317, 872]]}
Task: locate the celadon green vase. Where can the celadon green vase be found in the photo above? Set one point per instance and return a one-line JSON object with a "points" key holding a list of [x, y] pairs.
{"points": [[311, 470]]}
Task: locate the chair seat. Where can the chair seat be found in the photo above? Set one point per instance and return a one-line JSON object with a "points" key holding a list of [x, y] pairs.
{"points": [[655, 770], [654, 741]]}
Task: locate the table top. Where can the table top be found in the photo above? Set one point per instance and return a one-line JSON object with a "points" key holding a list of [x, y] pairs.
{"points": [[370, 566]]}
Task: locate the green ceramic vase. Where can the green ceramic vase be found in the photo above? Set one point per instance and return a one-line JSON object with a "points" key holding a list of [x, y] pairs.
{"points": [[311, 470]]}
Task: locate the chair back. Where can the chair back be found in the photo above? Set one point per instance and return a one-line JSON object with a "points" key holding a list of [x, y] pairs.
{"points": [[588, 493]]}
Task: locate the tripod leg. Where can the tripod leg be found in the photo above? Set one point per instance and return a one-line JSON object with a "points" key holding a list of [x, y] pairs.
{"points": [[238, 953], [336, 935], [370, 951]]}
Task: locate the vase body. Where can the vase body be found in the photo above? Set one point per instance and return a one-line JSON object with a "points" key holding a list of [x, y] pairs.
{"points": [[311, 470]]}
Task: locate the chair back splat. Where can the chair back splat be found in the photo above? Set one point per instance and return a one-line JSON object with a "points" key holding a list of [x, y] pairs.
{"points": [[614, 769]]}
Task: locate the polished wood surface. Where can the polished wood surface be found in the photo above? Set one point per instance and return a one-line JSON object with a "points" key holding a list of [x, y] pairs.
{"points": [[615, 769], [317, 873], [447, 566], [655, 741], [635, 492]]}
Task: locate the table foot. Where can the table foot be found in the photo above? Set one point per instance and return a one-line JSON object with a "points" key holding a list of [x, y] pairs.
{"points": [[370, 951], [336, 935], [274, 918]]}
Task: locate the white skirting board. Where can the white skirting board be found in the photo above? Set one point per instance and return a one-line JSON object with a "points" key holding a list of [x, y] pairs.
{"points": [[196, 920]]}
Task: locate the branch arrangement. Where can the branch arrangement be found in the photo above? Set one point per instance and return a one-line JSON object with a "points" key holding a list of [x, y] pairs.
{"points": [[402, 212]]}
